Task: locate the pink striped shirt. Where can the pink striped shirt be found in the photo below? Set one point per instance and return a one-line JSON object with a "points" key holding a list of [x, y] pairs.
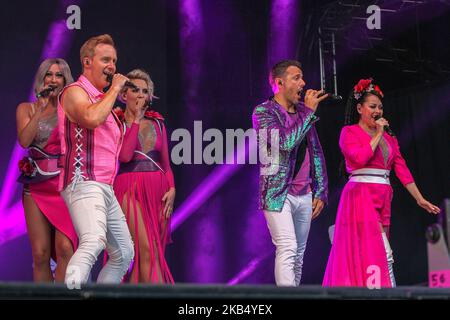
{"points": [[88, 154]]}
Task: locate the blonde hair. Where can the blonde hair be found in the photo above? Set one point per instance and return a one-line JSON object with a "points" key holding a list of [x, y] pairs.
{"points": [[142, 75], [88, 48], [45, 66]]}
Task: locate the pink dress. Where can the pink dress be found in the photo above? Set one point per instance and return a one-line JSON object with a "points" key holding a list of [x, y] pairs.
{"points": [[45, 191], [141, 182], [357, 243]]}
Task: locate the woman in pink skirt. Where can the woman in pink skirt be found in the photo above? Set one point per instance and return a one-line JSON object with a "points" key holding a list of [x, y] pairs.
{"points": [[360, 254], [145, 185], [48, 221]]}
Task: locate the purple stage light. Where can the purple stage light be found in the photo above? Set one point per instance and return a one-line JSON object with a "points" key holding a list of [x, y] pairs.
{"points": [[191, 35], [250, 268], [282, 39], [216, 179]]}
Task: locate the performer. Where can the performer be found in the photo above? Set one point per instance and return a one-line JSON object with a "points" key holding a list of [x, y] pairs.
{"points": [[91, 138], [294, 187], [145, 186], [48, 221], [360, 250]]}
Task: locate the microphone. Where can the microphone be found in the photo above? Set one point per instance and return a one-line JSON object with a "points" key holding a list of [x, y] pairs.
{"points": [[109, 77], [45, 93], [386, 128]]}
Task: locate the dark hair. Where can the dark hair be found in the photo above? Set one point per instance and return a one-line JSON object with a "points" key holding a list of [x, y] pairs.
{"points": [[279, 69], [352, 116]]}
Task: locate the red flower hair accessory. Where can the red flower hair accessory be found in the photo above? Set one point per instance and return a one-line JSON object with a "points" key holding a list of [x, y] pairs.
{"points": [[365, 85]]}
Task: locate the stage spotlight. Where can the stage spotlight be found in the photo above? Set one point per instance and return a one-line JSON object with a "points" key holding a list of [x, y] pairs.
{"points": [[437, 236], [433, 233]]}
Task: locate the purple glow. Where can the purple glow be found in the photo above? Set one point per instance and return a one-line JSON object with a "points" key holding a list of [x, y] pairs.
{"points": [[191, 35], [202, 193], [281, 46], [58, 42], [249, 269], [209, 237], [283, 21], [13, 223], [217, 178]]}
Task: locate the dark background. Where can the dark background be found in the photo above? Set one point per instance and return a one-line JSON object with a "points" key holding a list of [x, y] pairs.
{"points": [[217, 75]]}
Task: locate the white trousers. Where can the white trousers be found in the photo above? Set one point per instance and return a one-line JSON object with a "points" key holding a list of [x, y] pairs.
{"points": [[390, 258], [289, 230], [100, 223]]}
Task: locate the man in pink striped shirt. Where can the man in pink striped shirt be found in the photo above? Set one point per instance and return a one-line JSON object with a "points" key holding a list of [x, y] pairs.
{"points": [[91, 138]]}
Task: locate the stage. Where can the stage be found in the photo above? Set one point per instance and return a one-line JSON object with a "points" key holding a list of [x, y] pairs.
{"points": [[242, 293]]}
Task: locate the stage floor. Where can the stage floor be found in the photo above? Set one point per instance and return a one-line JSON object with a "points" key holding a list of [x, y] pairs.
{"points": [[213, 292]]}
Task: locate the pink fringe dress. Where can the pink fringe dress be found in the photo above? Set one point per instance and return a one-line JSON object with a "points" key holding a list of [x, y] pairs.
{"points": [[141, 181], [357, 242]]}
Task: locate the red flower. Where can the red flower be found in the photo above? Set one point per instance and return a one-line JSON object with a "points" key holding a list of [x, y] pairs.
{"points": [[153, 114], [363, 84], [119, 113], [377, 89], [358, 88], [26, 167]]}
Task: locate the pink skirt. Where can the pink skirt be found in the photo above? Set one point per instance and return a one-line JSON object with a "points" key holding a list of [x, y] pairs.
{"points": [[147, 189], [358, 248], [52, 205]]}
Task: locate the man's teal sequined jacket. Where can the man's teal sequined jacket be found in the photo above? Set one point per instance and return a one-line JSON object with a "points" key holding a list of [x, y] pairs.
{"points": [[274, 188]]}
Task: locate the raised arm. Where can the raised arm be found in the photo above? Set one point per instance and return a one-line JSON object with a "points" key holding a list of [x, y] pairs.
{"points": [[354, 149], [169, 196], [264, 118], [165, 159], [27, 120], [130, 142], [79, 109]]}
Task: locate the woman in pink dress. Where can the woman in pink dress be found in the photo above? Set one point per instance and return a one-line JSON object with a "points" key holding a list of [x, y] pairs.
{"points": [[360, 253], [145, 185], [48, 221]]}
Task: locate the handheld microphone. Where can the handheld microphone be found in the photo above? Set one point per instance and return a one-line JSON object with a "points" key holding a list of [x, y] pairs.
{"points": [[330, 96], [109, 77], [45, 92], [386, 128]]}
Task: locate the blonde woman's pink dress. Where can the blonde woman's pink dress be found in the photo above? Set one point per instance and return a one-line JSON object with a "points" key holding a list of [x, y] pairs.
{"points": [[144, 177]]}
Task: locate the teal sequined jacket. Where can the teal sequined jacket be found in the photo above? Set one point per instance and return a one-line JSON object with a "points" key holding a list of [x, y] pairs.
{"points": [[274, 188]]}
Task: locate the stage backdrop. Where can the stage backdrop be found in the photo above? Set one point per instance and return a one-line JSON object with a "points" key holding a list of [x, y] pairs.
{"points": [[209, 61]]}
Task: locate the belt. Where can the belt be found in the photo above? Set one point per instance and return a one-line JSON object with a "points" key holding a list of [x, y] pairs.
{"points": [[45, 166], [370, 175], [148, 163]]}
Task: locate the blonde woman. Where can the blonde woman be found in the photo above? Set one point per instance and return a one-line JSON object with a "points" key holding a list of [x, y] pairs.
{"points": [[145, 185], [48, 221]]}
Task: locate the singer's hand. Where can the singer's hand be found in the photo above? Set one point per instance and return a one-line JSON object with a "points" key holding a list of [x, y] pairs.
{"points": [[139, 111], [317, 207], [380, 124], [431, 208], [118, 81], [311, 99], [168, 200], [42, 104]]}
